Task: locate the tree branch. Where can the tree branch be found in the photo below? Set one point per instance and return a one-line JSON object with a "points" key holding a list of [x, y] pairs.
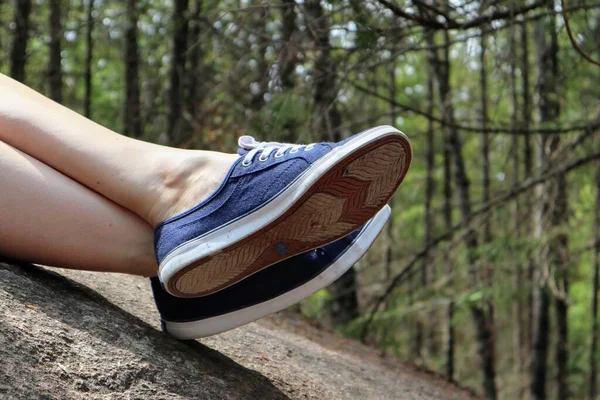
{"points": [[456, 25], [399, 12], [503, 198], [594, 124], [572, 39]]}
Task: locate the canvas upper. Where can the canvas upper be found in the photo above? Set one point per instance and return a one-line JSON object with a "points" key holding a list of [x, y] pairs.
{"points": [[262, 171]]}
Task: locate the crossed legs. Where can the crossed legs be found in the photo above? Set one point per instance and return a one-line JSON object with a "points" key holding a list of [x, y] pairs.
{"points": [[75, 194], [48, 218], [154, 182]]}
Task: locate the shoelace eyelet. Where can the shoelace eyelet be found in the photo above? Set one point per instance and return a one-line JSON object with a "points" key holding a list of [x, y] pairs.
{"points": [[246, 163], [309, 147], [292, 151], [279, 155], [261, 159]]}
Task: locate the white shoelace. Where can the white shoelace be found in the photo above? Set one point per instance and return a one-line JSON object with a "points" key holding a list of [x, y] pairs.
{"points": [[266, 148]]}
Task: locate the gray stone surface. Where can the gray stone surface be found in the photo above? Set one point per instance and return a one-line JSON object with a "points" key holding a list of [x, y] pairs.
{"points": [[78, 335]]}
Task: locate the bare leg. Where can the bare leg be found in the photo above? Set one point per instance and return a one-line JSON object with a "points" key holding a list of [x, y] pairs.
{"points": [[47, 218], [155, 182]]}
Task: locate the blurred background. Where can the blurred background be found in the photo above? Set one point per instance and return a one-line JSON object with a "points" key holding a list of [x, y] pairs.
{"points": [[488, 271]]}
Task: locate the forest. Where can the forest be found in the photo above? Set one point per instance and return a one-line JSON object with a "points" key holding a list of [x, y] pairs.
{"points": [[488, 272]]}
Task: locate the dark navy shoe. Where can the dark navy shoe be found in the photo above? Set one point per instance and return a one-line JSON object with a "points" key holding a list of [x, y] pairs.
{"points": [[277, 201], [270, 290]]}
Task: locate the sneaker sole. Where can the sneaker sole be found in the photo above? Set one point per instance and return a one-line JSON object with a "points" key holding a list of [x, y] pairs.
{"points": [[213, 325], [338, 194]]}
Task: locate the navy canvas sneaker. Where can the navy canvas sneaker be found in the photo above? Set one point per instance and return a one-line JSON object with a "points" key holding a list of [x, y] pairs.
{"points": [[277, 201], [270, 290]]}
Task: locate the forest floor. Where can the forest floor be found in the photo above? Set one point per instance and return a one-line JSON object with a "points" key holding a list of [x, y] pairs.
{"points": [[280, 356]]}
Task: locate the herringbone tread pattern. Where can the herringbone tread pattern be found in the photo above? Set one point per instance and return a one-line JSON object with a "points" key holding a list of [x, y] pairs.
{"points": [[344, 199]]}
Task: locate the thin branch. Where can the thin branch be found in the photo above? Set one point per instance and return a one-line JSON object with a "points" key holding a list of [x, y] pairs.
{"points": [[399, 12], [431, 8], [503, 198], [509, 131], [572, 39], [500, 15], [453, 24]]}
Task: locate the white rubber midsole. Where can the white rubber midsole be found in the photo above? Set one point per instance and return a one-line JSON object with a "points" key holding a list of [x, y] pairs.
{"points": [[221, 323], [222, 238]]}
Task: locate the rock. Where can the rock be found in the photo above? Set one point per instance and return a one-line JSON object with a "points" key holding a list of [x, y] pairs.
{"points": [[98, 338]]}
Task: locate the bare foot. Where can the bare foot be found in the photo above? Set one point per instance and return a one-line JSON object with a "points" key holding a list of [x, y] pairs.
{"points": [[188, 178]]}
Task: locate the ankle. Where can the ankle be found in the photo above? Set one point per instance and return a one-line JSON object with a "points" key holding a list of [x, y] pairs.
{"points": [[186, 179], [172, 181]]}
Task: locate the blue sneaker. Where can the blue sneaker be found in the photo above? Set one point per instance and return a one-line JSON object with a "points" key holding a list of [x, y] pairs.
{"points": [[277, 201], [268, 291]]}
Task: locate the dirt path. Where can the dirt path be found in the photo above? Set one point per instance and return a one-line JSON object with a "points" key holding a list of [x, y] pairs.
{"points": [[66, 342]]}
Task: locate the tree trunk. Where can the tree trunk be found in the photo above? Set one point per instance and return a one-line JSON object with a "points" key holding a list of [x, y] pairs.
{"points": [[529, 209], [450, 344], [390, 226], [132, 118], [153, 89], [427, 271], [197, 74], [21, 37], [430, 174], [485, 137], [438, 73], [592, 389], [259, 87], [558, 209], [344, 303], [519, 308], [55, 79], [482, 313], [552, 214], [443, 78], [539, 351], [288, 57], [560, 256], [328, 117], [448, 195], [526, 116], [87, 103], [177, 129]]}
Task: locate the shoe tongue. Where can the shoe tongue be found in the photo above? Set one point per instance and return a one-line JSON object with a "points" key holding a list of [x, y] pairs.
{"points": [[246, 143]]}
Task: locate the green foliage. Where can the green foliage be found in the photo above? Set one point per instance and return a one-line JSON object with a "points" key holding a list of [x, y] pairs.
{"points": [[314, 306]]}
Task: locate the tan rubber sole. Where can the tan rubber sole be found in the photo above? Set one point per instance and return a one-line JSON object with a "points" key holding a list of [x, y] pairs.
{"points": [[341, 201]]}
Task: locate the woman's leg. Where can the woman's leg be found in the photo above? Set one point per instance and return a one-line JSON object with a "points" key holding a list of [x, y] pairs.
{"points": [[48, 218], [155, 182]]}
